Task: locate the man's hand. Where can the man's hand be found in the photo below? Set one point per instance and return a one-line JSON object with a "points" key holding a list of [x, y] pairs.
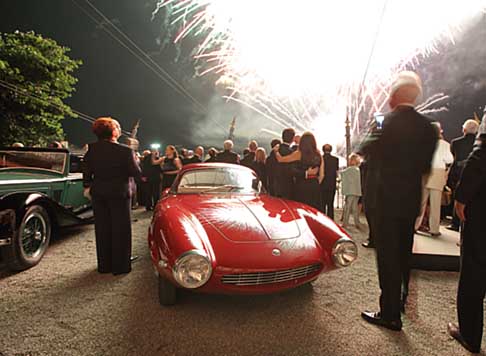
{"points": [[87, 193], [312, 171], [460, 210]]}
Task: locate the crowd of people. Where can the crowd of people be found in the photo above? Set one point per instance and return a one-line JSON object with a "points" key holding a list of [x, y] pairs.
{"points": [[402, 167]]}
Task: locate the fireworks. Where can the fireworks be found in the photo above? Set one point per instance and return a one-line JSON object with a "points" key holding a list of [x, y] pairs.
{"points": [[311, 63]]}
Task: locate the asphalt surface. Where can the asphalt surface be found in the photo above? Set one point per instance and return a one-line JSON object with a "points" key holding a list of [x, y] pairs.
{"points": [[64, 307]]}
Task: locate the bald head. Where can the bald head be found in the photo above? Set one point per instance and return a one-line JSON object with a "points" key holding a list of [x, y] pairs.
{"points": [[470, 127], [405, 90]]}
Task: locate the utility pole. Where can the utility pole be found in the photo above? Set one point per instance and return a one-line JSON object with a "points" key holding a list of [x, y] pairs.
{"points": [[231, 135]]}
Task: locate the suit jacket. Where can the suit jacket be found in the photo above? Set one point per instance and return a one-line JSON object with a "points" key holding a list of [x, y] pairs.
{"points": [[331, 166], [461, 147], [284, 179], [107, 169], [471, 191], [228, 157], [193, 159], [403, 154], [248, 160]]}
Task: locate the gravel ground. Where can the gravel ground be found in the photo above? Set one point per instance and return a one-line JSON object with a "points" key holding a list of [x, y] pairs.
{"points": [[64, 307]]}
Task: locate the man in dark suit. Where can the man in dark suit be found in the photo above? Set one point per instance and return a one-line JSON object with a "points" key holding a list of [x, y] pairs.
{"points": [[197, 157], [470, 205], [249, 159], [461, 147], [107, 169], [228, 156], [271, 165], [284, 180], [328, 185], [404, 153]]}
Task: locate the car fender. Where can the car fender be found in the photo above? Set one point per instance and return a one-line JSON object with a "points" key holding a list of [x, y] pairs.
{"points": [[20, 201], [173, 232]]}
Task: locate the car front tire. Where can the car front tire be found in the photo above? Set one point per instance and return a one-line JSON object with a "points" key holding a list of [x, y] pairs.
{"points": [[31, 239], [167, 292]]}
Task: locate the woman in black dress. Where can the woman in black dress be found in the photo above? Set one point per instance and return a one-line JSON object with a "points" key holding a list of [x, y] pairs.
{"points": [[307, 189], [170, 165]]}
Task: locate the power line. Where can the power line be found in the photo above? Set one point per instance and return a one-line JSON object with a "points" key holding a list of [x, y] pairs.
{"points": [[26, 93], [174, 81], [161, 72]]}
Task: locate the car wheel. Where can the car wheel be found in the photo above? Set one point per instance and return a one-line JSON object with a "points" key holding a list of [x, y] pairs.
{"points": [[31, 239], [167, 292]]}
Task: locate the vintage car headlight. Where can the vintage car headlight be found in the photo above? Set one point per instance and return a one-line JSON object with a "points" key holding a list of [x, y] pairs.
{"points": [[192, 269], [344, 252]]}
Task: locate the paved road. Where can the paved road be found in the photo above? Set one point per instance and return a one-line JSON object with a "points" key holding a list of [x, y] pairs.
{"points": [[64, 307]]}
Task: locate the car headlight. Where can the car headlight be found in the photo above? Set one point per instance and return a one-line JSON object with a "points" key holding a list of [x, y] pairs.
{"points": [[344, 252], [192, 269]]}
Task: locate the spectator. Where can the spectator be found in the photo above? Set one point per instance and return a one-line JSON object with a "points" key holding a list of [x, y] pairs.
{"points": [[249, 158], [351, 189], [328, 185], [461, 147], [107, 169], [284, 179], [196, 157], [143, 182], [435, 184], [228, 156], [271, 165], [170, 166], [151, 171], [307, 156], [212, 152], [403, 151], [471, 210], [259, 166]]}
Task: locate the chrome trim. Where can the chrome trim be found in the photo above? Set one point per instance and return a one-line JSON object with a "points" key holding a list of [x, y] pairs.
{"points": [[259, 278], [5, 242]]}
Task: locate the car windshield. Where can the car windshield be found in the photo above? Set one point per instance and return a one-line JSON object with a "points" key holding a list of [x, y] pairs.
{"points": [[217, 181], [50, 161]]}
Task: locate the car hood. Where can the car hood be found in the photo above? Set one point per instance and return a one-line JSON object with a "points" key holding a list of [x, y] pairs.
{"points": [[244, 218]]}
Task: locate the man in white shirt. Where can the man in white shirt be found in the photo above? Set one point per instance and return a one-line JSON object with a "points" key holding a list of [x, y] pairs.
{"points": [[435, 183]]}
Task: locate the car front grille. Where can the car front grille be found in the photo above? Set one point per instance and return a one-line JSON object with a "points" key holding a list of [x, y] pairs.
{"points": [[252, 279]]}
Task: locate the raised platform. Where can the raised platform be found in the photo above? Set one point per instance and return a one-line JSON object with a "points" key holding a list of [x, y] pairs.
{"points": [[436, 253]]}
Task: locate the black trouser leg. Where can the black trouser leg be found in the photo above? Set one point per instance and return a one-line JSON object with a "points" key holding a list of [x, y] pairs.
{"points": [[327, 197], [103, 234], [471, 292], [394, 241], [369, 214], [121, 243]]}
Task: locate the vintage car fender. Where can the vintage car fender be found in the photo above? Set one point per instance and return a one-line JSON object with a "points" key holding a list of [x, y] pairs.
{"points": [[19, 202], [172, 232]]}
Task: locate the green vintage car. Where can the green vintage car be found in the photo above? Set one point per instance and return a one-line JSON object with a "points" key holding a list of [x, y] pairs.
{"points": [[41, 190]]}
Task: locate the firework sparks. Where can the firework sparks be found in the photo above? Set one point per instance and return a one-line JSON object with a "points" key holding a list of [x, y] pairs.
{"points": [[312, 63]]}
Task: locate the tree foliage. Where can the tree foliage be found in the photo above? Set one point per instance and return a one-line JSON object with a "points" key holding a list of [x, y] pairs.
{"points": [[35, 78]]}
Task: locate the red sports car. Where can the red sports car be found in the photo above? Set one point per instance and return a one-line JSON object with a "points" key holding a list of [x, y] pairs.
{"points": [[214, 231]]}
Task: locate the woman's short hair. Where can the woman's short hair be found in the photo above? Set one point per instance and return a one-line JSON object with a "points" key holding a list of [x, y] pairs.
{"points": [[104, 127]]}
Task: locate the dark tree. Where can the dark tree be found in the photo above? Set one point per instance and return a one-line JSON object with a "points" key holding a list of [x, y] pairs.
{"points": [[35, 78]]}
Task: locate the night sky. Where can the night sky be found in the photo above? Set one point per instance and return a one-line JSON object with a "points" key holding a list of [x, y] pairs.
{"points": [[113, 82]]}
